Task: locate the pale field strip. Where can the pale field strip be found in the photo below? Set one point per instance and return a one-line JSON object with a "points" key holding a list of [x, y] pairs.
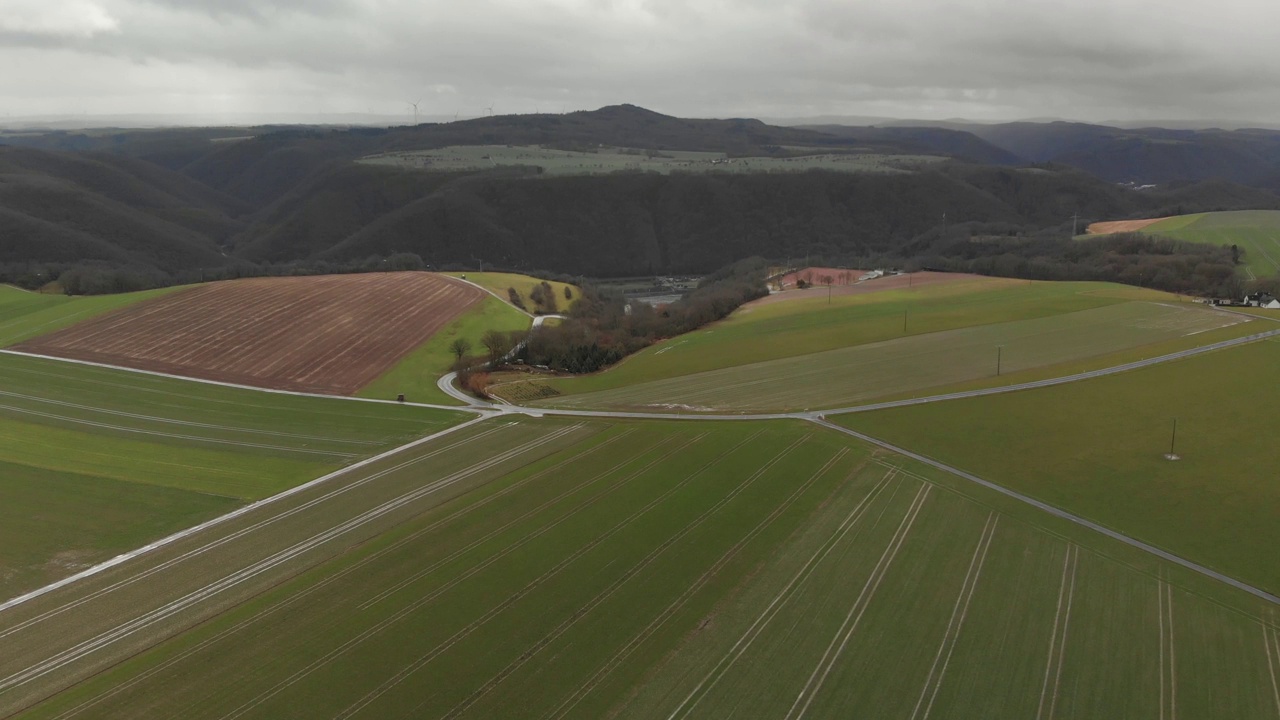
{"points": [[611, 488], [151, 618], [238, 534], [1168, 657], [424, 660], [617, 585], [222, 519], [934, 679], [185, 423], [1058, 640], [294, 598], [241, 386], [779, 602], [421, 602], [1271, 643], [626, 650], [865, 371], [174, 436], [1055, 511], [841, 639]]}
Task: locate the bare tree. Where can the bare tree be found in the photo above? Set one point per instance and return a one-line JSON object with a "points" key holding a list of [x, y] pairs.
{"points": [[460, 347]]}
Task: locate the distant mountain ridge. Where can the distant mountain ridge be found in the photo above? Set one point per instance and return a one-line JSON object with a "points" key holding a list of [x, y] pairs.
{"points": [[174, 200]]}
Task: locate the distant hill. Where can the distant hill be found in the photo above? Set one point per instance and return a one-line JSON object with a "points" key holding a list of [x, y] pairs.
{"points": [[953, 143], [65, 208], [179, 201]]}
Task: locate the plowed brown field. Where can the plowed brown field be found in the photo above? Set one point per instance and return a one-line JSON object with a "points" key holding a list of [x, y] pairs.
{"points": [[1120, 226], [327, 334]]}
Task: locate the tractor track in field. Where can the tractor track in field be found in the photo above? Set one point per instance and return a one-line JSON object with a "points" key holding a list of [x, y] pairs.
{"points": [[151, 618], [486, 411]]}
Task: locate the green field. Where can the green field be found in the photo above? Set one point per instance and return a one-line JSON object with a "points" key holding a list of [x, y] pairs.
{"points": [[97, 461], [609, 160], [1256, 232], [416, 374], [914, 363], [1097, 448], [803, 327], [24, 315], [552, 568]]}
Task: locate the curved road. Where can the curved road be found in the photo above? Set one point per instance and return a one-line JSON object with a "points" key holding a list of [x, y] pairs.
{"points": [[486, 410]]}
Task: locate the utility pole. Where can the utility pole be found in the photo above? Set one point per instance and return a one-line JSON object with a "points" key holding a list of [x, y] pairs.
{"points": [[904, 322], [1075, 219], [828, 293], [1173, 439], [999, 350]]}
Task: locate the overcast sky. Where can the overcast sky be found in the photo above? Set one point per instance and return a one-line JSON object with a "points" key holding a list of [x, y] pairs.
{"points": [[982, 59]]}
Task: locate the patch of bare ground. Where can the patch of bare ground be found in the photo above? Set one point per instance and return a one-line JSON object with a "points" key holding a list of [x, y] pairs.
{"points": [[1120, 226], [880, 284], [326, 334]]}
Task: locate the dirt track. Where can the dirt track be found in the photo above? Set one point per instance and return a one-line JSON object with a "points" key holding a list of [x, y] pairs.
{"points": [[328, 334]]}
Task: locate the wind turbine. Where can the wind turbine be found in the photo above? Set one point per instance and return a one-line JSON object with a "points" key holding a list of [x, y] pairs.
{"points": [[415, 110], [455, 115], [490, 109]]}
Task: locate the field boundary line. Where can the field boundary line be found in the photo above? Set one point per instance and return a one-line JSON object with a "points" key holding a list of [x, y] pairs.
{"points": [[1049, 382], [194, 552], [1269, 639], [295, 597], [958, 614], [175, 436], [626, 478], [505, 301], [238, 386], [783, 596], [130, 627], [187, 423], [667, 612], [417, 604], [647, 632], [457, 637], [818, 677], [1066, 590], [1056, 511], [256, 505]]}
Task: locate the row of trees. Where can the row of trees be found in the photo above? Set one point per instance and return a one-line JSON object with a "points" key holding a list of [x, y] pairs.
{"points": [[605, 327]]}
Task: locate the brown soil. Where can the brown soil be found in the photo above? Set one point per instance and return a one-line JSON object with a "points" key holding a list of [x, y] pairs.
{"points": [[1119, 226], [888, 282], [327, 334], [817, 275]]}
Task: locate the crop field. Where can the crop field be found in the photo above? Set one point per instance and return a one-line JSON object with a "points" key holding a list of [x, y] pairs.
{"points": [[1256, 232], [1096, 448], [841, 289], [327, 334], [812, 325], [847, 376], [416, 374], [24, 315], [96, 461], [559, 568], [610, 160]]}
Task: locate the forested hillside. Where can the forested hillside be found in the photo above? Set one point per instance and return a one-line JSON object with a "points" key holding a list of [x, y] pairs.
{"points": [[170, 205]]}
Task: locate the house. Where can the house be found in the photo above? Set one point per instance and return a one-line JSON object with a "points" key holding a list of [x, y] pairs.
{"points": [[1261, 300]]}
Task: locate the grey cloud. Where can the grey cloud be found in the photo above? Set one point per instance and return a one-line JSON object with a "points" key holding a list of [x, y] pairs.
{"points": [[1091, 59]]}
